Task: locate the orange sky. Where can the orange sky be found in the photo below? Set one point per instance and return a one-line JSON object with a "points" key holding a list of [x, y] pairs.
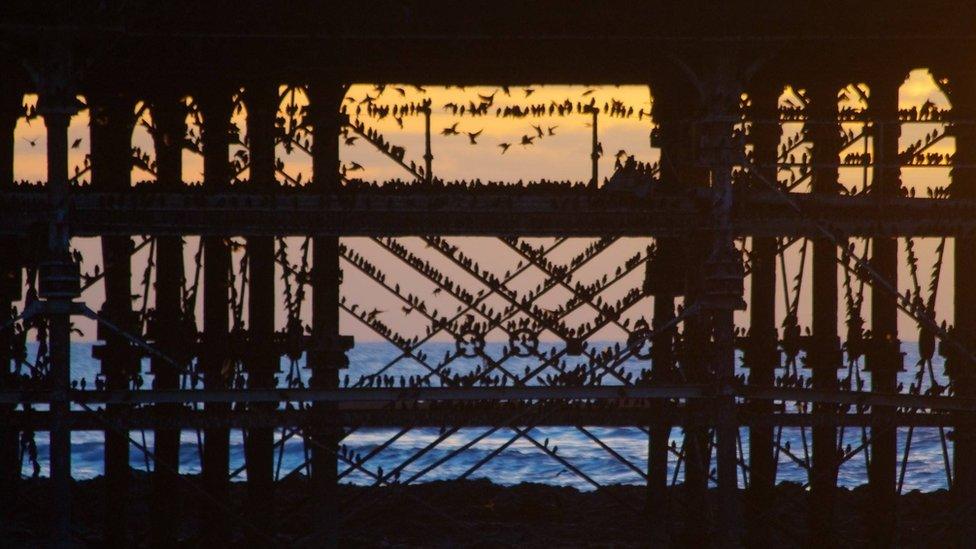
{"points": [[564, 155]]}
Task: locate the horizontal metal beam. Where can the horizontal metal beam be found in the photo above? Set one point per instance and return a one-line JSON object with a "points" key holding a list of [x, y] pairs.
{"points": [[620, 395], [353, 396], [529, 211], [471, 415]]}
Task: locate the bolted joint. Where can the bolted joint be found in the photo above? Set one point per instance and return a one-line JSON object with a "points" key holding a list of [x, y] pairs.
{"points": [[883, 355], [59, 279], [329, 353], [118, 360], [717, 143], [823, 352], [760, 349], [126, 319], [11, 279], [723, 280], [58, 104], [960, 369], [664, 273]]}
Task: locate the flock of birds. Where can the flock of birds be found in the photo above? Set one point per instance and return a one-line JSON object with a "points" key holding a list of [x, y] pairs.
{"points": [[368, 106], [608, 365], [534, 317], [541, 318]]}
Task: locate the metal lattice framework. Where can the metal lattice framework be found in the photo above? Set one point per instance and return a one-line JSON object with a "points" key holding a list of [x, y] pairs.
{"points": [[504, 317]]}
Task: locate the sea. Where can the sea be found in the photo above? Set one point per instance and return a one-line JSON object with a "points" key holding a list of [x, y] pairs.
{"points": [[925, 464]]}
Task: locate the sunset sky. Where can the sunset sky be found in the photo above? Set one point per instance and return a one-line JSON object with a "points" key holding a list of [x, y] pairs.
{"points": [[564, 155]]}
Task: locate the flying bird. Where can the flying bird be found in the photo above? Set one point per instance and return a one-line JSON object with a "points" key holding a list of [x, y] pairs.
{"points": [[504, 147], [473, 136], [451, 130], [76, 143]]}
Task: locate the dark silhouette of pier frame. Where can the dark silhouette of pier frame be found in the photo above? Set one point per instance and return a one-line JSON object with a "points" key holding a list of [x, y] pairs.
{"points": [[697, 57]]}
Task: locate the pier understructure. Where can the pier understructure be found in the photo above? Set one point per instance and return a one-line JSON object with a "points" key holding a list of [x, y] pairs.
{"points": [[744, 180]]}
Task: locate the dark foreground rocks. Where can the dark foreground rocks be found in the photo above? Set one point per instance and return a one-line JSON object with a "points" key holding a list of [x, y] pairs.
{"points": [[465, 514]]}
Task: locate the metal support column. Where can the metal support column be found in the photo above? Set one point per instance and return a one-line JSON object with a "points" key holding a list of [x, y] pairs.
{"points": [[722, 289], [216, 106], [262, 360], [823, 352], [167, 328], [428, 153], [59, 286], [663, 281], [11, 280], [326, 356], [595, 148], [673, 110], [761, 354], [111, 131], [962, 372], [884, 357]]}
